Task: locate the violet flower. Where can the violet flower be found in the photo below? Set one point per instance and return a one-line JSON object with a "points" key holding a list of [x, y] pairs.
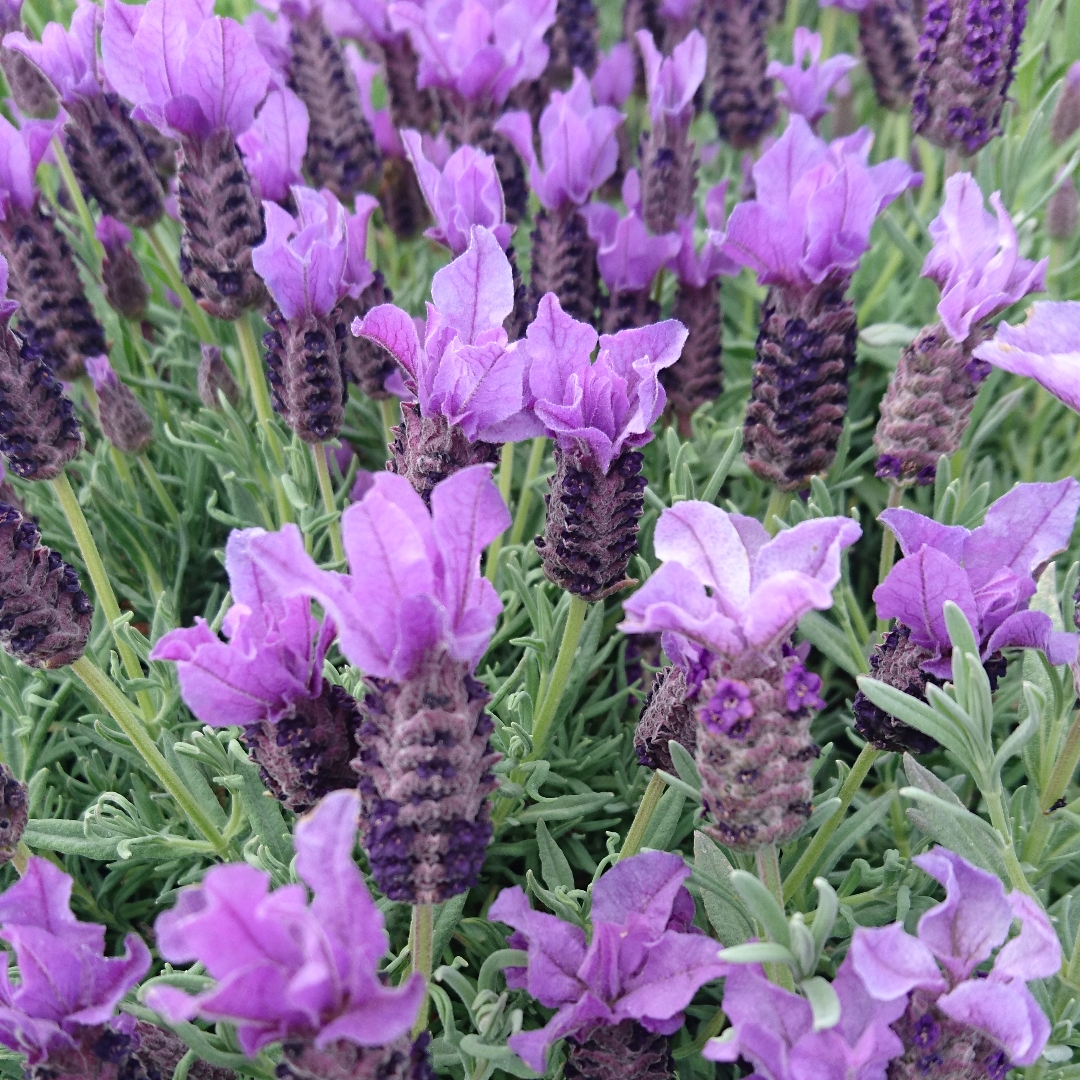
{"points": [[467, 377], [274, 145], [990, 1020], [989, 573], [807, 81], [62, 1012], [751, 693], [415, 615], [975, 262], [628, 983], [613, 81], [289, 970], [268, 677], [121, 275], [124, 421], [31, 92]]}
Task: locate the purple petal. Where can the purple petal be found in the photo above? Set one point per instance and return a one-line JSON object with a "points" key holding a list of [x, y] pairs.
{"points": [[395, 331], [532, 1046], [811, 548], [914, 530], [703, 538], [1036, 952], [891, 962], [676, 966], [475, 293], [1006, 1012], [644, 885]]}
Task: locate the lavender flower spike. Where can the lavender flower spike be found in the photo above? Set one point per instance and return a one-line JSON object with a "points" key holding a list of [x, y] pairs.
{"points": [[415, 615], [274, 145], [299, 972], [956, 1026], [989, 572], [30, 90], [975, 261], [121, 275], [753, 697], [807, 81], [62, 1012], [966, 58], [268, 678], [126, 424], [467, 377], [804, 235], [622, 992]]}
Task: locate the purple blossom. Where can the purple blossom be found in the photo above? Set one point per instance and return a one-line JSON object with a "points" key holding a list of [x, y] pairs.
{"points": [[113, 235], [101, 373], [66, 983], [974, 259], [283, 966], [613, 80], [760, 587], [275, 648], [1045, 347], [382, 124], [20, 153], [465, 371], [275, 144], [801, 687], [633, 967], [7, 307], [816, 203], [480, 48], [698, 269], [672, 81], [607, 405], [578, 147], [414, 585], [68, 58], [185, 69], [464, 191], [628, 256], [729, 704], [807, 81], [988, 572], [774, 1029], [953, 939]]}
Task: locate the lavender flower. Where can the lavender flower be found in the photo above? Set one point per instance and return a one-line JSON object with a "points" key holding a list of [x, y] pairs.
{"points": [[467, 378], [1063, 211], [214, 377], [803, 235], [61, 1014], [989, 572], [669, 169], [121, 275], [807, 81], [665, 717], [415, 616], [599, 414], [55, 316], [268, 678], [732, 647], [967, 53], [620, 992], [975, 262], [1065, 118], [275, 144], [612, 83], [103, 145], [299, 972], [679, 19], [573, 43], [200, 78], [30, 90], [957, 1026], [126, 424]]}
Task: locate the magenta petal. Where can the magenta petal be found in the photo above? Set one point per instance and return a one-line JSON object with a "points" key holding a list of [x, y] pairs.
{"points": [[675, 967], [475, 293], [382, 1018], [173, 1004], [395, 331], [914, 530], [645, 885]]}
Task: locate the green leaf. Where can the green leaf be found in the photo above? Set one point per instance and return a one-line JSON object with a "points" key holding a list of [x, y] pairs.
{"points": [[684, 764], [716, 481], [498, 961], [69, 838], [676, 784], [854, 829], [823, 1001], [758, 952], [564, 807], [827, 910], [724, 909], [447, 917], [763, 904], [1023, 731], [263, 811], [829, 641], [665, 820], [554, 866]]}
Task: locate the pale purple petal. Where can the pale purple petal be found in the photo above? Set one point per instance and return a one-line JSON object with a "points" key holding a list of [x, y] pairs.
{"points": [[812, 548], [475, 293], [1006, 1012], [703, 538], [275, 144], [645, 886], [914, 530], [891, 962], [395, 331], [1036, 952]]}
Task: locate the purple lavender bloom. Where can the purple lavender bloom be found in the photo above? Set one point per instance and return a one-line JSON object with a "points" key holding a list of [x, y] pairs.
{"points": [[1044, 347], [20, 154], [949, 1009], [672, 81], [578, 148], [68, 988], [613, 81], [461, 192], [275, 144], [633, 968], [729, 704], [774, 1029], [114, 235], [381, 120], [807, 81], [286, 968], [697, 269], [68, 58], [975, 261], [988, 572]]}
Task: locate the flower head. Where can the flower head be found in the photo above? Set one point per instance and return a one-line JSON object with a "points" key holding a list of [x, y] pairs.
{"points": [[66, 981], [988, 572], [465, 371], [672, 81], [20, 153], [283, 965], [729, 704], [613, 80], [953, 939], [275, 144], [382, 124], [114, 235], [759, 588], [816, 203], [464, 191], [604, 406], [974, 259], [697, 269], [634, 966], [578, 147], [807, 81], [68, 58], [185, 69]]}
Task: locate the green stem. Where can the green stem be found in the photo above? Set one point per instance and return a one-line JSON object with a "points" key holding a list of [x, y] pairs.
{"points": [[532, 470], [827, 28], [867, 756], [102, 586], [779, 501], [1000, 819], [326, 488], [767, 861], [176, 283], [575, 619], [117, 706], [260, 395], [391, 414], [72, 185], [649, 802], [421, 934], [158, 489], [506, 484]]}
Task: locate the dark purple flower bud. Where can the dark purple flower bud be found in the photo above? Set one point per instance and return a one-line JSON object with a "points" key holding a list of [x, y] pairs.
{"points": [[403, 1059], [1065, 118], [640, 15], [121, 275], [410, 107], [573, 42], [564, 261], [967, 53], [665, 718], [623, 1051], [215, 376], [1063, 211], [160, 1051], [14, 812], [33, 94], [44, 616], [126, 424], [890, 40]]}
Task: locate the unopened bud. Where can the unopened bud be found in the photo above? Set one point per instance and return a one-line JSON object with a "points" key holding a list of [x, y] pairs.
{"points": [[1066, 116], [125, 287], [1063, 211], [14, 813], [126, 424], [214, 375]]}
